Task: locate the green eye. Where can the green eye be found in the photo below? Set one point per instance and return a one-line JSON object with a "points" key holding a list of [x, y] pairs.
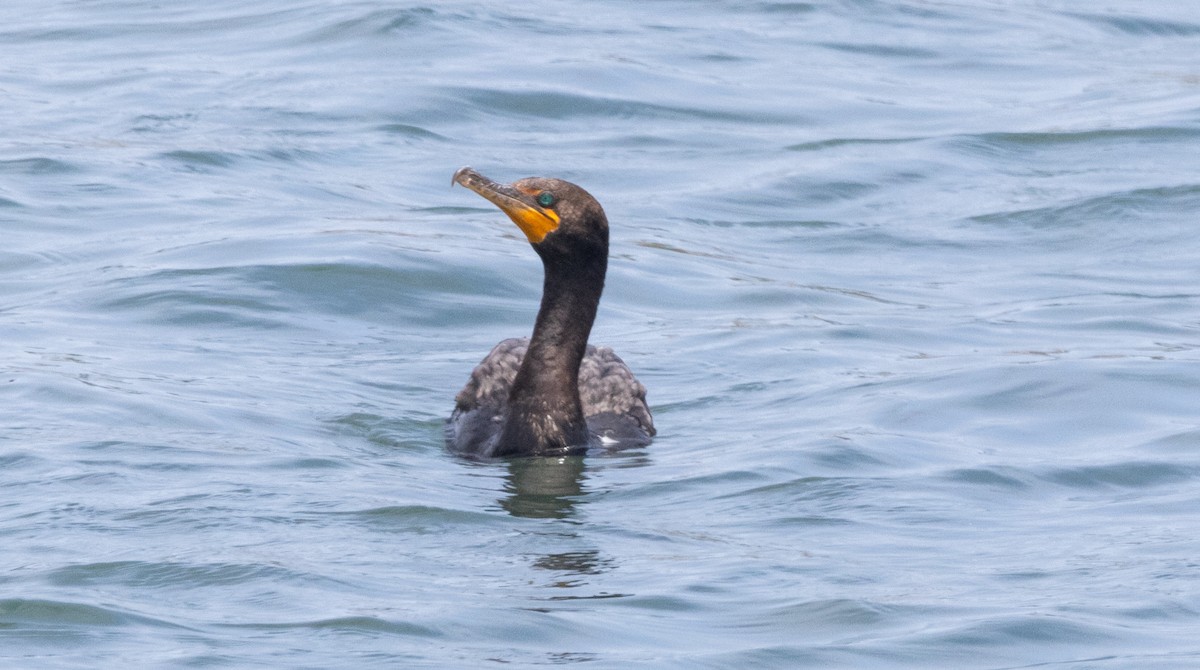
{"points": [[545, 199]]}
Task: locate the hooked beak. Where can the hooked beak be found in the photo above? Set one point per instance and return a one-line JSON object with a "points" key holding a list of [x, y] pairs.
{"points": [[533, 220]]}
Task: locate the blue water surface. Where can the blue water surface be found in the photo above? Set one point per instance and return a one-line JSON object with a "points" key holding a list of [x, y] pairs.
{"points": [[914, 287]]}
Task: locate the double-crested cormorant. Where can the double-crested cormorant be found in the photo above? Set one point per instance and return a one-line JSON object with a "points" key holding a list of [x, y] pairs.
{"points": [[551, 394]]}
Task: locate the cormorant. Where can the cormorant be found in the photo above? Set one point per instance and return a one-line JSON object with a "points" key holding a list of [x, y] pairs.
{"points": [[551, 394]]}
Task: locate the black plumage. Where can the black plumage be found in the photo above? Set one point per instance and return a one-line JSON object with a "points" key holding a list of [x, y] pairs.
{"points": [[552, 393]]}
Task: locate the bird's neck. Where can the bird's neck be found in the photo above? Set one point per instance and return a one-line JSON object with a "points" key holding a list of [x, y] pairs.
{"points": [[546, 414]]}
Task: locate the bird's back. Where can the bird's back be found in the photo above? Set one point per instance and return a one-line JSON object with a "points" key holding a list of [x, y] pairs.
{"points": [[614, 401]]}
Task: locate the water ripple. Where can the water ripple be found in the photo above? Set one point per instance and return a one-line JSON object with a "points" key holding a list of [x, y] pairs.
{"points": [[912, 285], [25, 614]]}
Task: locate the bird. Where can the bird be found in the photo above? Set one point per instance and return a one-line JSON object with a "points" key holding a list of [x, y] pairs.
{"points": [[551, 394]]}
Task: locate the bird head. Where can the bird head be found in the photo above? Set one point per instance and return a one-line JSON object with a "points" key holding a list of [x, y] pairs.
{"points": [[552, 213]]}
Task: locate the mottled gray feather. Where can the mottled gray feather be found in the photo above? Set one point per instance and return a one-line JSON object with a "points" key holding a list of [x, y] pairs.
{"points": [[614, 401]]}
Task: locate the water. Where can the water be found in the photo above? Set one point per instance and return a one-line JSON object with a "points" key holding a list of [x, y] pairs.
{"points": [[913, 287]]}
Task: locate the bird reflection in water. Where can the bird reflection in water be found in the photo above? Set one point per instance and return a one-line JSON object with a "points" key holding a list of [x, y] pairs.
{"points": [[544, 488], [550, 488]]}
